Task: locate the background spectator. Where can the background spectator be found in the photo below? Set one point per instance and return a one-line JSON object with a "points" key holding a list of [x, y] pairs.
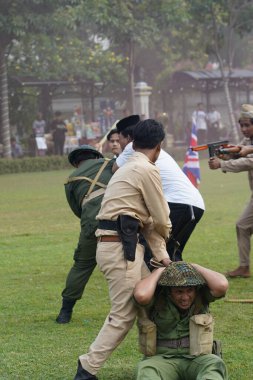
{"points": [[213, 118], [200, 118], [58, 128], [16, 149], [39, 127]]}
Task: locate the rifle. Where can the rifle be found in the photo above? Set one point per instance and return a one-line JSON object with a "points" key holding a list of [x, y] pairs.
{"points": [[212, 147], [230, 149]]}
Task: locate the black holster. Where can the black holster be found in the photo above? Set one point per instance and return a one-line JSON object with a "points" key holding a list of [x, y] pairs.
{"points": [[128, 228]]}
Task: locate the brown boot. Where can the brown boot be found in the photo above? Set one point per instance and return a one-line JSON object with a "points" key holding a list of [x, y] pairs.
{"points": [[239, 272]]}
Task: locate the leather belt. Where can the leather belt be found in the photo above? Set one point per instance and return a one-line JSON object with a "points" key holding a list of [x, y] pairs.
{"points": [[109, 238], [174, 343]]}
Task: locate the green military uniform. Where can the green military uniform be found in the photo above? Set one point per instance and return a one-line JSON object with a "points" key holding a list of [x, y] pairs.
{"points": [[173, 360], [76, 188]]}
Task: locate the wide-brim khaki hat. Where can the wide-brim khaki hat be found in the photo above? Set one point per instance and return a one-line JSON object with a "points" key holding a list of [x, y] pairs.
{"points": [[246, 111]]}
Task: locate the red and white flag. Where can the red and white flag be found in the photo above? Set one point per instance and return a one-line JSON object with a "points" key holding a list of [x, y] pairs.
{"points": [[191, 163]]}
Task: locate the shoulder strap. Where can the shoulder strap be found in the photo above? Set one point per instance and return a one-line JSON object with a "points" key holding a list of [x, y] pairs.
{"points": [[73, 179], [94, 182]]}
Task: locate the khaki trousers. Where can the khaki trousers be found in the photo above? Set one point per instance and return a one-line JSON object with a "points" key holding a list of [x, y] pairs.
{"points": [[121, 276], [244, 230]]}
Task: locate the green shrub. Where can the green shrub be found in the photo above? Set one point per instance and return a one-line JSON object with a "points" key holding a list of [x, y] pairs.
{"points": [[47, 163], [33, 164]]}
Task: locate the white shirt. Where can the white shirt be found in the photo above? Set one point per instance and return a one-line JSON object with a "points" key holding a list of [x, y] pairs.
{"points": [[213, 117], [177, 188], [200, 118], [125, 155]]}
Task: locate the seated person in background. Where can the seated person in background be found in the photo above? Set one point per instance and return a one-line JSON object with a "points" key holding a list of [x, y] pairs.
{"points": [[184, 292], [16, 150]]}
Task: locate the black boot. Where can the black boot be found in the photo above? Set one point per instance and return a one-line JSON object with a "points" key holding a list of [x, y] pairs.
{"points": [[82, 374], [66, 311]]}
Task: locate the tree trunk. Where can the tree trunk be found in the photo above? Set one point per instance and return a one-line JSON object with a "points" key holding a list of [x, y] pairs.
{"points": [[5, 124], [233, 127]]}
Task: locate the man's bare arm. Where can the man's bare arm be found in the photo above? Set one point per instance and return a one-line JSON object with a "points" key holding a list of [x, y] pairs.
{"points": [[145, 289], [217, 282]]}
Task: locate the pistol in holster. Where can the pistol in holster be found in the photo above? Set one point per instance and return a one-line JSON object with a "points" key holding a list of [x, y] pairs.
{"points": [[128, 228]]}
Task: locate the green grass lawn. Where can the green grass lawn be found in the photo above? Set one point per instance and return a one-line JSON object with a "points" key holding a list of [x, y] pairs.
{"points": [[38, 234]]}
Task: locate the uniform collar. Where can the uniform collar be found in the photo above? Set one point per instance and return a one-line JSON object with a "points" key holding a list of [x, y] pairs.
{"points": [[142, 156]]}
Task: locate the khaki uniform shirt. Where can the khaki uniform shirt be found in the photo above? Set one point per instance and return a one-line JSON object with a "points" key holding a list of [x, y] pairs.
{"points": [[136, 190], [240, 164]]}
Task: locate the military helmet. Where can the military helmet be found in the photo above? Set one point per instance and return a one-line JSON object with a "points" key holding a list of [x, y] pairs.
{"points": [[179, 274], [82, 149]]}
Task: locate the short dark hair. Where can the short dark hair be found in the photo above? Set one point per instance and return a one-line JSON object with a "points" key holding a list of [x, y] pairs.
{"points": [[126, 126], [128, 131], [148, 134], [112, 132]]}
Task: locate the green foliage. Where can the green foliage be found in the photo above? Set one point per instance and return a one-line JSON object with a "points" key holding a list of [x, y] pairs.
{"points": [[38, 237], [31, 16], [224, 21], [48, 163], [33, 164], [66, 57], [65, 40], [23, 105]]}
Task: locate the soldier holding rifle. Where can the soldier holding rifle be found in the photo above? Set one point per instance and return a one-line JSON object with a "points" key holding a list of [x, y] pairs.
{"points": [[228, 163]]}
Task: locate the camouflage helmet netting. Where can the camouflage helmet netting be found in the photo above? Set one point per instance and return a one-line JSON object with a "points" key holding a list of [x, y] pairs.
{"points": [[181, 274]]}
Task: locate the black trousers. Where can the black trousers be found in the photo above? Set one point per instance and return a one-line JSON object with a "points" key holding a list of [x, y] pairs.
{"points": [[182, 227]]}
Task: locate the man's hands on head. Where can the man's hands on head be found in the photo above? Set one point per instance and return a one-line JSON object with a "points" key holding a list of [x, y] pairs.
{"points": [[166, 262]]}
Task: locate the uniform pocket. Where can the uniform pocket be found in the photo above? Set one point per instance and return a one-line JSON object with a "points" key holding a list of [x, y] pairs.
{"points": [[201, 334]]}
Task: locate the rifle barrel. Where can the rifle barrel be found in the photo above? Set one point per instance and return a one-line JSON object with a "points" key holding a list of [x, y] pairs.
{"points": [[199, 147]]}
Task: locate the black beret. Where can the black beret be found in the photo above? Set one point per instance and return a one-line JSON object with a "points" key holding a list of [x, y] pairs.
{"points": [[128, 121]]}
